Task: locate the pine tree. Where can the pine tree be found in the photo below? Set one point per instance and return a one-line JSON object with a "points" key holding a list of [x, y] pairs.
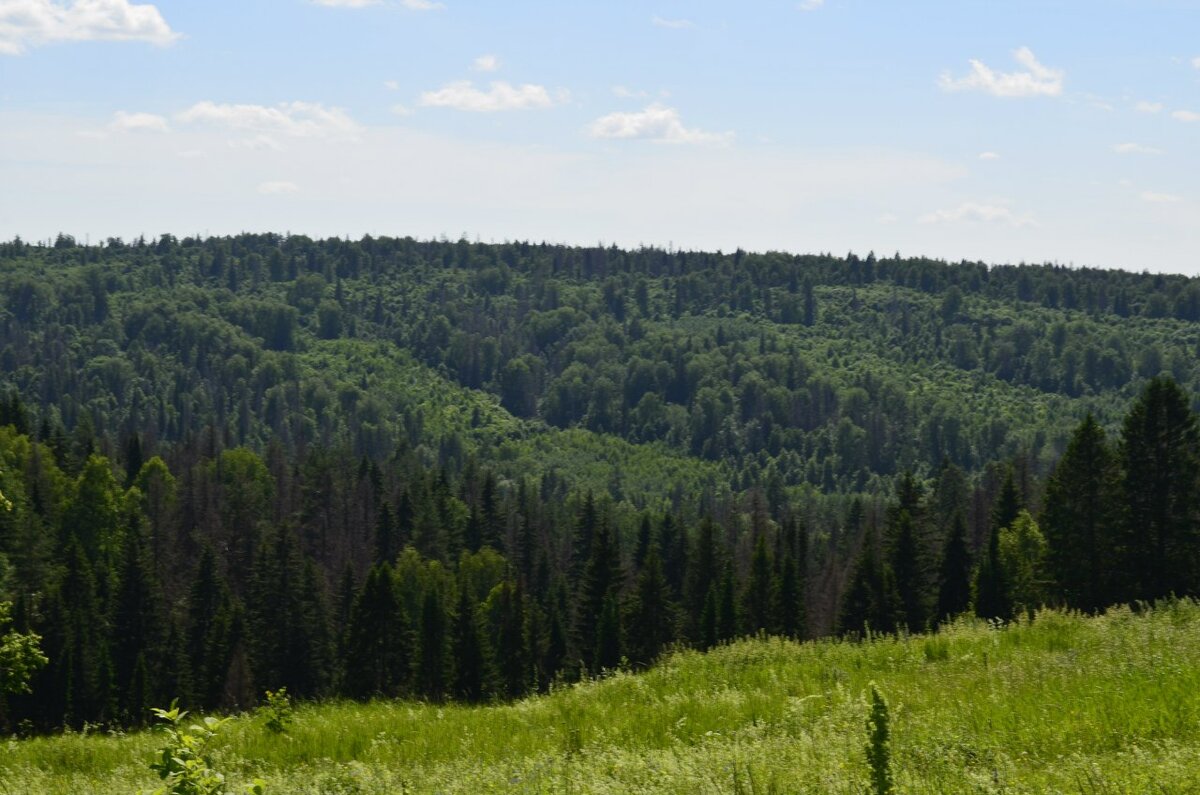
{"points": [[607, 653], [137, 624], [954, 590], [871, 601], [701, 577], [469, 652], [727, 617], [386, 537], [1160, 452], [1080, 520], [652, 618], [906, 569], [756, 599], [377, 645], [430, 661], [601, 579]]}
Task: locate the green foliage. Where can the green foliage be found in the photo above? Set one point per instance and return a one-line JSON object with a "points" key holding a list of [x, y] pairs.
{"points": [[184, 762], [1019, 705], [278, 711], [879, 745], [20, 655]]}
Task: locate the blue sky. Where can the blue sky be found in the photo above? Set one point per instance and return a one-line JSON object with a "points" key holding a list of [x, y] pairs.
{"points": [[1002, 131]]}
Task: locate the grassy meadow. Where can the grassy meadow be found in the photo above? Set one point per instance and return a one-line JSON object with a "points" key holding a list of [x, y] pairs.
{"points": [[1059, 704]]}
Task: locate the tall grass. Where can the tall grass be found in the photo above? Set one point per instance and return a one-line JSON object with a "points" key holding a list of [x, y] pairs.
{"points": [[1059, 704]]}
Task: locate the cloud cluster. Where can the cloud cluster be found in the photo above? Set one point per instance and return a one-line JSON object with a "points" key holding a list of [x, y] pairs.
{"points": [[1135, 149], [1036, 81], [655, 123], [500, 96], [31, 23], [974, 213], [290, 119], [412, 5]]}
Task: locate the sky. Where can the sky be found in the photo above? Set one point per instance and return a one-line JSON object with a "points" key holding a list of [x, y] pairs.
{"points": [[1060, 131]]}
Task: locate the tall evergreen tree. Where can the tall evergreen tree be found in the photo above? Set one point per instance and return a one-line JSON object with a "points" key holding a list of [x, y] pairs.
{"points": [[652, 618], [431, 665], [469, 653], [377, 643], [756, 599], [908, 574], [1081, 520], [137, 624], [954, 581], [871, 601], [1160, 452]]}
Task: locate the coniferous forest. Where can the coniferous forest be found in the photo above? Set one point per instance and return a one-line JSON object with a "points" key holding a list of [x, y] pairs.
{"points": [[460, 471]]}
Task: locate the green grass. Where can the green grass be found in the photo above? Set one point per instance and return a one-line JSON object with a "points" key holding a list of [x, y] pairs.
{"points": [[1062, 704]]}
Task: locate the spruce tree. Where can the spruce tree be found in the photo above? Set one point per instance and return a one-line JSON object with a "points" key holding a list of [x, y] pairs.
{"points": [[871, 602], [430, 660], [137, 628], [652, 617], [469, 654], [1160, 456], [756, 599], [909, 577], [954, 581], [1081, 520]]}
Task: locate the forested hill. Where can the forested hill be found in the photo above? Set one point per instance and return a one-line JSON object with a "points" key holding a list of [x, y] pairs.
{"points": [[624, 371], [446, 469]]}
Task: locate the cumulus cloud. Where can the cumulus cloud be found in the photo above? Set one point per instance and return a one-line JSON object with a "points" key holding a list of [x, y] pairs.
{"points": [[486, 63], [31, 23], [275, 188], [291, 119], [1148, 107], [974, 213], [672, 24], [989, 156], [1152, 197], [138, 122], [1135, 149], [412, 5], [655, 123], [500, 96], [1186, 115], [1036, 81]]}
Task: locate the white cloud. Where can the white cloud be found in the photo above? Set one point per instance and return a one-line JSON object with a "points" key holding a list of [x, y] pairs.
{"points": [[1160, 198], [672, 24], [1135, 149], [974, 213], [421, 5], [135, 122], [988, 156], [486, 63], [810, 5], [622, 92], [291, 119], [401, 110], [655, 123], [391, 85], [1196, 62], [275, 188], [463, 95], [30, 23], [1037, 81], [1148, 107], [889, 218], [1186, 115]]}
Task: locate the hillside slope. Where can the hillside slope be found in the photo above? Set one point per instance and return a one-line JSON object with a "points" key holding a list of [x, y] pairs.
{"points": [[1060, 704]]}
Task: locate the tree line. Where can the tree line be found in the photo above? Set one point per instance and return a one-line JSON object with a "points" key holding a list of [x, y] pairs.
{"points": [[224, 573]]}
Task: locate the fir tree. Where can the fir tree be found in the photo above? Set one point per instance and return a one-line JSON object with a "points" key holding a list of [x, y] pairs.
{"points": [[954, 589]]}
